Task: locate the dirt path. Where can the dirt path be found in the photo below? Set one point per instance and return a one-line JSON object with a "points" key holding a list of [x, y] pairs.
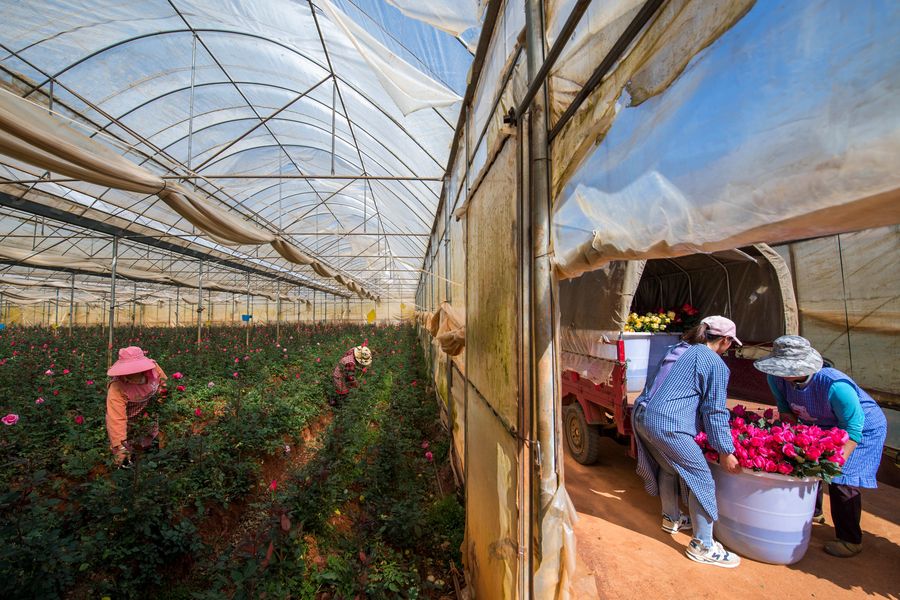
{"points": [[620, 542], [237, 526]]}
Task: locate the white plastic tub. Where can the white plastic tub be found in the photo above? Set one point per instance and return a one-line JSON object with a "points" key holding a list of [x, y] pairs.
{"points": [[637, 353], [764, 516]]}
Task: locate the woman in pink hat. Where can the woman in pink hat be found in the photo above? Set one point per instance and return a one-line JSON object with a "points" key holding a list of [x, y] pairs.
{"points": [[131, 402], [685, 395]]}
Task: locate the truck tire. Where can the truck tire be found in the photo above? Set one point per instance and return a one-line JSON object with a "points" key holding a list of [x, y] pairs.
{"points": [[582, 439]]}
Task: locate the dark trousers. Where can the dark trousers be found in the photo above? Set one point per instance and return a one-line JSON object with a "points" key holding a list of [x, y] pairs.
{"points": [[846, 510]]}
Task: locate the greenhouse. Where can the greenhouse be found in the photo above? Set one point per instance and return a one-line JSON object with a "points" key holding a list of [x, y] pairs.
{"points": [[338, 299]]}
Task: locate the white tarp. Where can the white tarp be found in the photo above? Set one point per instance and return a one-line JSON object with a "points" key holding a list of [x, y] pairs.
{"points": [[409, 88], [787, 127], [452, 16]]}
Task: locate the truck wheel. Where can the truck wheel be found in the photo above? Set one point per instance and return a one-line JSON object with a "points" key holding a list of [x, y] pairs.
{"points": [[583, 440]]}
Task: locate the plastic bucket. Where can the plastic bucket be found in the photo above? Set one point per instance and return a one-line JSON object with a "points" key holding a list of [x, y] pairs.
{"points": [[764, 516], [637, 359]]}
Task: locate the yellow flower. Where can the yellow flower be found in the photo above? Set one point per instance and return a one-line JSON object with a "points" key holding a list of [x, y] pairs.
{"points": [[671, 314]]}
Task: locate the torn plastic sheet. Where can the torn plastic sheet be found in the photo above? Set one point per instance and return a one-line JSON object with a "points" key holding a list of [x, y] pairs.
{"points": [[554, 575], [452, 16], [409, 88]]}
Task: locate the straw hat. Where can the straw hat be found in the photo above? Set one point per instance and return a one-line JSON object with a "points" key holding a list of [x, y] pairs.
{"points": [[131, 361], [792, 356], [362, 355]]}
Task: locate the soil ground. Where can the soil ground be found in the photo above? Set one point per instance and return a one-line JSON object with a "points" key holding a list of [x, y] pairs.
{"points": [[622, 546]]}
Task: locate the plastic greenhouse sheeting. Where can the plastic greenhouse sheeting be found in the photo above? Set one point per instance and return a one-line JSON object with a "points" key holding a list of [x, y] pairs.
{"points": [[785, 127], [219, 93]]}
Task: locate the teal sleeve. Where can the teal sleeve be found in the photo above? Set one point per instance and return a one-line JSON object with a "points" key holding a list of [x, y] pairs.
{"points": [[783, 406], [845, 403]]}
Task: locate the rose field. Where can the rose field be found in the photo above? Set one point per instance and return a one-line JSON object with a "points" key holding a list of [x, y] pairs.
{"points": [[260, 487]]}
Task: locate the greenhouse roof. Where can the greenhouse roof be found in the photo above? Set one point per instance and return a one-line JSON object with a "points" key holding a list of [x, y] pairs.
{"points": [[306, 140]]}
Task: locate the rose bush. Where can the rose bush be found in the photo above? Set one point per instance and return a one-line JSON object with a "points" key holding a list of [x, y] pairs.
{"points": [[72, 525]]}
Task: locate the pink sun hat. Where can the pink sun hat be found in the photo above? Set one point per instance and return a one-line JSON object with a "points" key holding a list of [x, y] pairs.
{"points": [[718, 325], [131, 361]]}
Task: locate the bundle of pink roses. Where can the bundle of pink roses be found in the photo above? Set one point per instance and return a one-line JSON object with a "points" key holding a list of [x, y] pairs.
{"points": [[763, 443]]}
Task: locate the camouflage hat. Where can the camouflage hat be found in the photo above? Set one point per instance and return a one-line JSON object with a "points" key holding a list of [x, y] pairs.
{"points": [[792, 356]]}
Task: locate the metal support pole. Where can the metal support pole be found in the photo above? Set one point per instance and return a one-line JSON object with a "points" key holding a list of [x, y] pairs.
{"points": [[133, 307], [177, 304], [200, 305], [112, 300], [541, 322], [278, 312], [325, 306], [169, 320], [72, 305], [248, 310], [314, 306]]}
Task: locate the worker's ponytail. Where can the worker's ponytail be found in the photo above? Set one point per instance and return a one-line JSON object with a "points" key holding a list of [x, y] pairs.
{"points": [[699, 335]]}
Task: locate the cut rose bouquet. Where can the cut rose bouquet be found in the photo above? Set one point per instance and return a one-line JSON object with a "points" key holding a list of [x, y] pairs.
{"points": [[762, 443]]}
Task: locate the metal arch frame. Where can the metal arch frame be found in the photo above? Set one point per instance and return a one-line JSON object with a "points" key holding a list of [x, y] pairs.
{"points": [[35, 209], [237, 89], [304, 123], [350, 122], [147, 157], [283, 145], [153, 157], [237, 33], [412, 178], [226, 121], [142, 139], [340, 96]]}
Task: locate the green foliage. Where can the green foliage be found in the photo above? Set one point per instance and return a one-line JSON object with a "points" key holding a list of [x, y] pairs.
{"points": [[365, 518]]}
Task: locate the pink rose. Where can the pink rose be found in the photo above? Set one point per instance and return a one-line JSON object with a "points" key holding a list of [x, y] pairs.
{"points": [[700, 438], [745, 462], [39, 401], [79, 420], [768, 414], [802, 440], [784, 468], [197, 412], [10, 419], [770, 466], [789, 450], [759, 462], [739, 410], [839, 436], [813, 452], [429, 456], [177, 375], [273, 485], [180, 388], [235, 374], [425, 445], [66, 371], [739, 423], [89, 382]]}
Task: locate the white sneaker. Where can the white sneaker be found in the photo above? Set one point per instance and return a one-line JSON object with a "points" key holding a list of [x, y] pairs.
{"points": [[682, 524], [714, 555]]}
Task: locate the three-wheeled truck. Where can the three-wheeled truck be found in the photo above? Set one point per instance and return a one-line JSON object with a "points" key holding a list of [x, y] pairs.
{"points": [[750, 285]]}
